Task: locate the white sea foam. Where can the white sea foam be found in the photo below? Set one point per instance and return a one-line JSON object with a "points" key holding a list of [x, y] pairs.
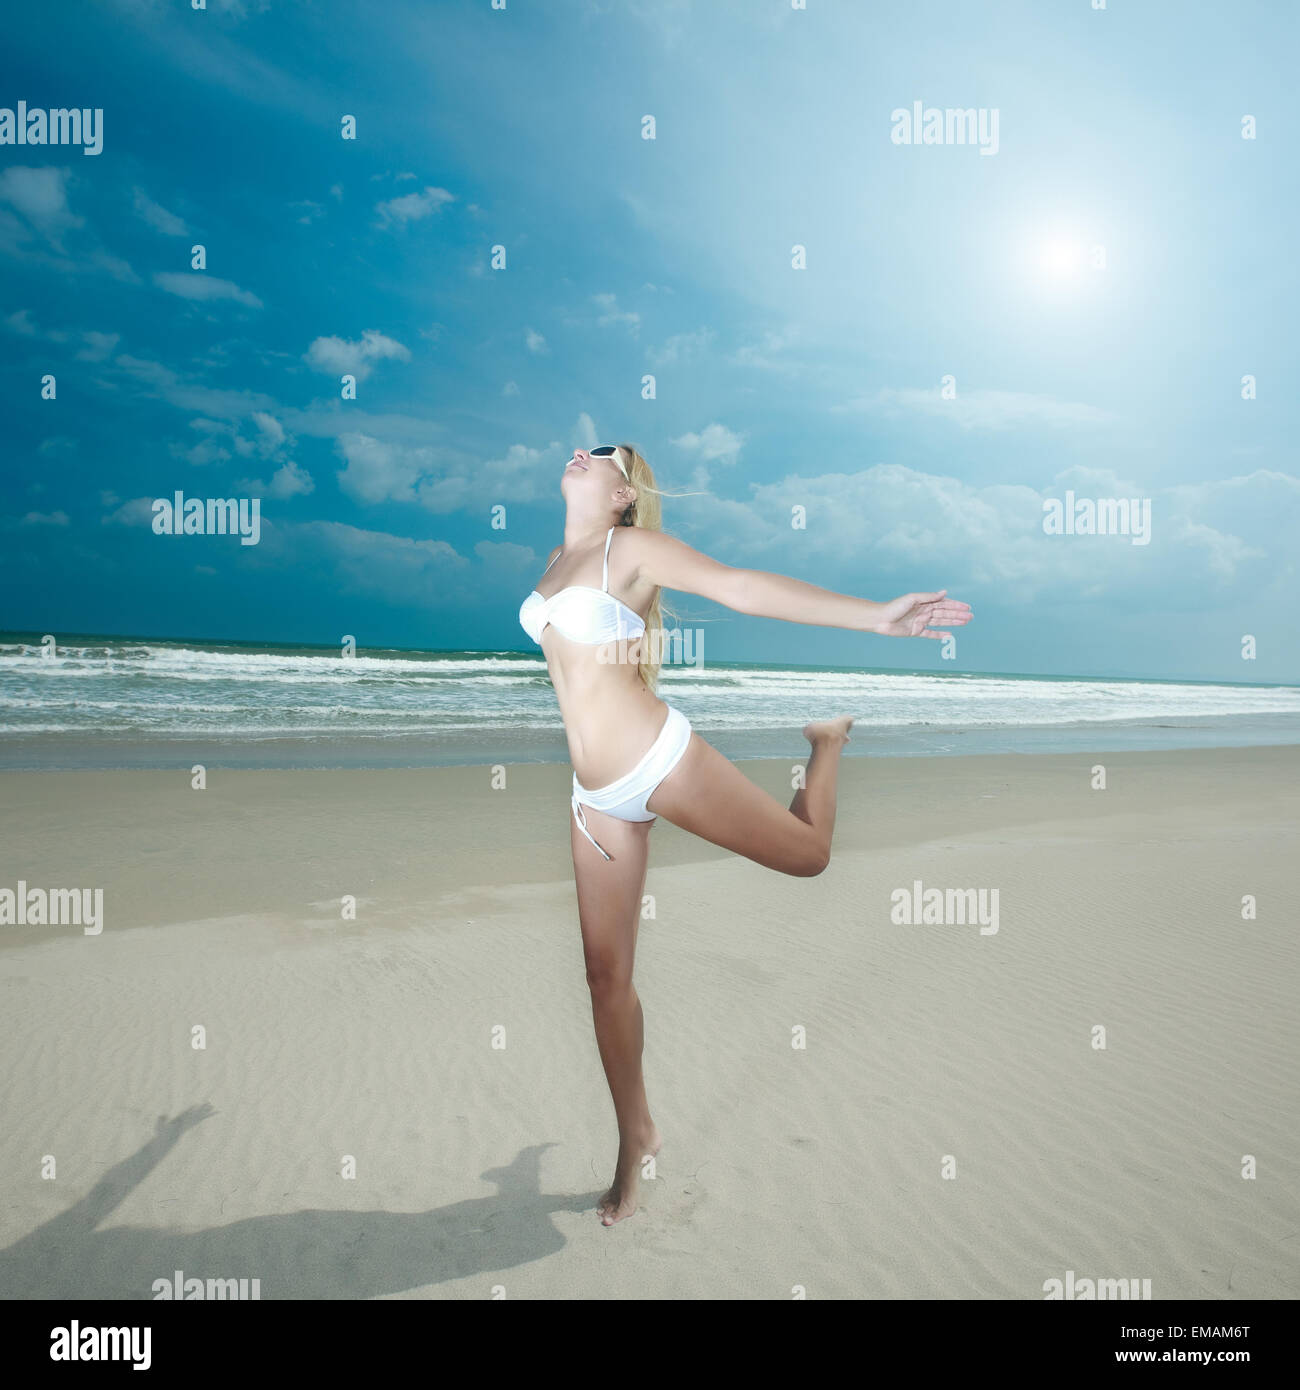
{"points": [[118, 688]]}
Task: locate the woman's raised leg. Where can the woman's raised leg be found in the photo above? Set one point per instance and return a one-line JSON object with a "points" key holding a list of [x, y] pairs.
{"points": [[712, 798], [609, 911]]}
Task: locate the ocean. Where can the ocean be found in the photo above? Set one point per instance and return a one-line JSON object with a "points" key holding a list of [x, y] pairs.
{"points": [[145, 702]]}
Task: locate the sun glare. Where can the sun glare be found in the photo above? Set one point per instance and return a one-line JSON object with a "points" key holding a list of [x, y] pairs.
{"points": [[1060, 258]]}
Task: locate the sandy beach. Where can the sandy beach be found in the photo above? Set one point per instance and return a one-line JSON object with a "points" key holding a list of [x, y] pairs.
{"points": [[440, 1045]]}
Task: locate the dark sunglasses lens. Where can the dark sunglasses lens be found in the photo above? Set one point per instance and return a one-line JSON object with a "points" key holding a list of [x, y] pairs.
{"points": [[605, 451]]}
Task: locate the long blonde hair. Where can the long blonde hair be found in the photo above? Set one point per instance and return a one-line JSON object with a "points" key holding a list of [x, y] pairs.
{"points": [[646, 511]]}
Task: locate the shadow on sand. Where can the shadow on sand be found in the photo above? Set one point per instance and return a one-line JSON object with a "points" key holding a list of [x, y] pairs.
{"points": [[301, 1254]]}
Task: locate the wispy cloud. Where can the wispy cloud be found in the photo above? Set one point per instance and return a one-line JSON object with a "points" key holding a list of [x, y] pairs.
{"points": [[22, 323], [979, 409], [203, 287], [157, 216], [165, 384], [769, 354], [97, 346], [308, 211], [610, 313], [680, 348]]}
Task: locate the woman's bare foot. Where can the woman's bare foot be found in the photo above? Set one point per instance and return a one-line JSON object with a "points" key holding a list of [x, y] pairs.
{"points": [[829, 730], [620, 1201]]}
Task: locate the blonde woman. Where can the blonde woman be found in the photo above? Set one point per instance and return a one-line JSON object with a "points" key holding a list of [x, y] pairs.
{"points": [[635, 757]]}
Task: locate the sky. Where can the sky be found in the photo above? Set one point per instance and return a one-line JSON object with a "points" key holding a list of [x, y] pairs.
{"points": [[793, 310]]}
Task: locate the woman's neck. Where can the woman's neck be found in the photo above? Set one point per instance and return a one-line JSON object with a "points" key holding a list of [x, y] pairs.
{"points": [[585, 531]]}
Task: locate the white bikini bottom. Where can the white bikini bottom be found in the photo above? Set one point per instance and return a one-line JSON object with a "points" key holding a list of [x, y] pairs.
{"points": [[626, 798]]}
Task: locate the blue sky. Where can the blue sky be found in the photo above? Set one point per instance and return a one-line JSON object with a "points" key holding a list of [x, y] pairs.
{"points": [[775, 387]]}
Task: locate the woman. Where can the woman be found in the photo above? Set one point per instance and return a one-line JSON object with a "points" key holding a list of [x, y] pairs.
{"points": [[640, 754]]}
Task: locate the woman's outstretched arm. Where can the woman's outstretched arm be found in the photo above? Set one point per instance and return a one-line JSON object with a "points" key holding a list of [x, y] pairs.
{"points": [[672, 564]]}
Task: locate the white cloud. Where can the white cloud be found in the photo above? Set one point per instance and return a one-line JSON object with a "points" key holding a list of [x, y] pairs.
{"points": [[269, 441], [45, 519], [713, 444], [270, 432], [206, 452], [375, 471], [394, 568], [910, 530], [535, 342], [137, 512], [41, 196], [338, 356], [443, 480], [585, 432], [1224, 554], [289, 480], [506, 556], [412, 207]]}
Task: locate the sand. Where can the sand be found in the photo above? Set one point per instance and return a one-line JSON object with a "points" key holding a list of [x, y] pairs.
{"points": [[335, 1045]]}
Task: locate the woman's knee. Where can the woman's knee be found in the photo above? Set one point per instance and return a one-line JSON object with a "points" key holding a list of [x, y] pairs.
{"points": [[608, 976], [810, 860]]}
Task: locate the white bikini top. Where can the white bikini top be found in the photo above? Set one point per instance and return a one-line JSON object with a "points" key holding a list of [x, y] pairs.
{"points": [[581, 613]]}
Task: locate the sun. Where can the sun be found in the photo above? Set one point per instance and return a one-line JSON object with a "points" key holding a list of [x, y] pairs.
{"points": [[1060, 258]]}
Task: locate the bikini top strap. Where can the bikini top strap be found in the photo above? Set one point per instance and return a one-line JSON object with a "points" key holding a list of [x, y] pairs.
{"points": [[553, 559], [604, 578]]}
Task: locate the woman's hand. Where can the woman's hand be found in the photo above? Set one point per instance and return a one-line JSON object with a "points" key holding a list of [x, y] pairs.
{"points": [[913, 614]]}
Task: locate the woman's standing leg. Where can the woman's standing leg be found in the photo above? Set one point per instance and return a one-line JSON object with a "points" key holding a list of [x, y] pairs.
{"points": [[609, 911]]}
